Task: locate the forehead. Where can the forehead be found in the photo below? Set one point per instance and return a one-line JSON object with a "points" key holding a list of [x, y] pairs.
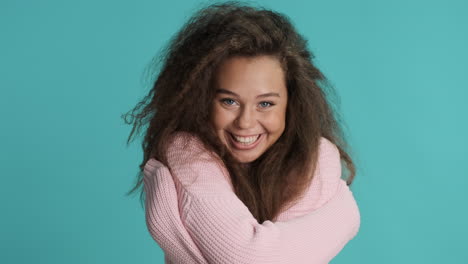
{"points": [[251, 75]]}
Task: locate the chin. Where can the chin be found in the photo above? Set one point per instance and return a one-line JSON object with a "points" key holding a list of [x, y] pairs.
{"points": [[246, 158]]}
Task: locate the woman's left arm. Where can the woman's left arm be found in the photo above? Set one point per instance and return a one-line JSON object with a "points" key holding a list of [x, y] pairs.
{"points": [[324, 182]]}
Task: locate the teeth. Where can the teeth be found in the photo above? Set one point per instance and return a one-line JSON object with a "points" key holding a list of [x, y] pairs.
{"points": [[246, 140]]}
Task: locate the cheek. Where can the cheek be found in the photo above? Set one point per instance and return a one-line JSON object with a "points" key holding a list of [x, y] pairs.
{"points": [[275, 122], [219, 118], [282, 119]]}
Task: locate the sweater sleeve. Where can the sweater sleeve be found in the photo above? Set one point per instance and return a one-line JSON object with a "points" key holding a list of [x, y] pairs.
{"points": [[163, 218], [225, 231], [323, 186]]}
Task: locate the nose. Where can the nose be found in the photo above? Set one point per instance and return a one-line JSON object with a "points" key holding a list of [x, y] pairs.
{"points": [[245, 118]]}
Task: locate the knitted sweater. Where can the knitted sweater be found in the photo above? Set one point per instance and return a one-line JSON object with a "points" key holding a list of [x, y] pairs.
{"points": [[194, 215]]}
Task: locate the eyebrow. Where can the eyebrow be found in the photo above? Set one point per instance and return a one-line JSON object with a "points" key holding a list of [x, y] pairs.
{"points": [[224, 91]]}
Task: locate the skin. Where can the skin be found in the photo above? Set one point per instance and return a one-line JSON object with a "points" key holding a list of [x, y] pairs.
{"points": [[251, 99]]}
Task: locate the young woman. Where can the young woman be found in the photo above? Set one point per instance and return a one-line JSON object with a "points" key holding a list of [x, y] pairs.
{"points": [[242, 153]]}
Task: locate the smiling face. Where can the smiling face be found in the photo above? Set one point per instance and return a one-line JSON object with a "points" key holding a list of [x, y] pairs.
{"points": [[249, 109]]}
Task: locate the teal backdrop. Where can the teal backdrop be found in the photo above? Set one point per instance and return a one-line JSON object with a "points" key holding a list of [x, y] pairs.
{"points": [[69, 69]]}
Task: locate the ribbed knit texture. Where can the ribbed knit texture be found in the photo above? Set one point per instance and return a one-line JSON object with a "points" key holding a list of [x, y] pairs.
{"points": [[194, 215]]}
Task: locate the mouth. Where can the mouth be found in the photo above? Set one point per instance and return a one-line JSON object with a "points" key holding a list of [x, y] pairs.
{"points": [[245, 143]]}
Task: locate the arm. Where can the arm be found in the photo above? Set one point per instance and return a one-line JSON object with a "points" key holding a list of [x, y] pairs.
{"points": [[163, 219], [167, 229], [323, 185], [225, 231]]}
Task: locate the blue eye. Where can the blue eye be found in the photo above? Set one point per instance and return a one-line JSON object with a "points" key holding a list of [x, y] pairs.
{"points": [[228, 101], [266, 104]]}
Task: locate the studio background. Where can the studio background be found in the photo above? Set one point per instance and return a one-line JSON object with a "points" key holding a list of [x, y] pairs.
{"points": [[70, 69]]}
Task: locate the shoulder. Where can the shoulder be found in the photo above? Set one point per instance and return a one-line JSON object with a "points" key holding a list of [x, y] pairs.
{"points": [[184, 148], [327, 175], [196, 167], [180, 148], [328, 151], [328, 167], [183, 140]]}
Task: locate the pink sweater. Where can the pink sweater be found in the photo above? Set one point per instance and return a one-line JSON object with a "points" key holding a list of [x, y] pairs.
{"points": [[194, 215]]}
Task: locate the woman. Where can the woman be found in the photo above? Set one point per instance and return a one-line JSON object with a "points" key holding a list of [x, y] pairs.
{"points": [[242, 150]]}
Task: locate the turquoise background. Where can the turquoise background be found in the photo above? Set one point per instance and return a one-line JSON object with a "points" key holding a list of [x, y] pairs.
{"points": [[69, 69]]}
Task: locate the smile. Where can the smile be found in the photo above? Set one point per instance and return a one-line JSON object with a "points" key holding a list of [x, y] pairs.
{"points": [[246, 140], [245, 143]]}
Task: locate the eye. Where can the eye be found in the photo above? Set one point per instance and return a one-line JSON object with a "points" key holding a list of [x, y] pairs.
{"points": [[228, 101], [266, 104]]}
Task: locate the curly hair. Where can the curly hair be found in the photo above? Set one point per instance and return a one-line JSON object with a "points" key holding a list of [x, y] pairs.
{"points": [[183, 91]]}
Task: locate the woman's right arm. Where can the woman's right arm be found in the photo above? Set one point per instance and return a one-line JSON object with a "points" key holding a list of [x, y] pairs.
{"points": [[163, 218]]}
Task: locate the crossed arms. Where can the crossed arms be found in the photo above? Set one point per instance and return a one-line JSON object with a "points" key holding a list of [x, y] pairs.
{"points": [[195, 217]]}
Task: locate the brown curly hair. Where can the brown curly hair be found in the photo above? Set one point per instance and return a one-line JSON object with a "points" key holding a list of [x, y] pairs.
{"points": [[182, 95]]}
